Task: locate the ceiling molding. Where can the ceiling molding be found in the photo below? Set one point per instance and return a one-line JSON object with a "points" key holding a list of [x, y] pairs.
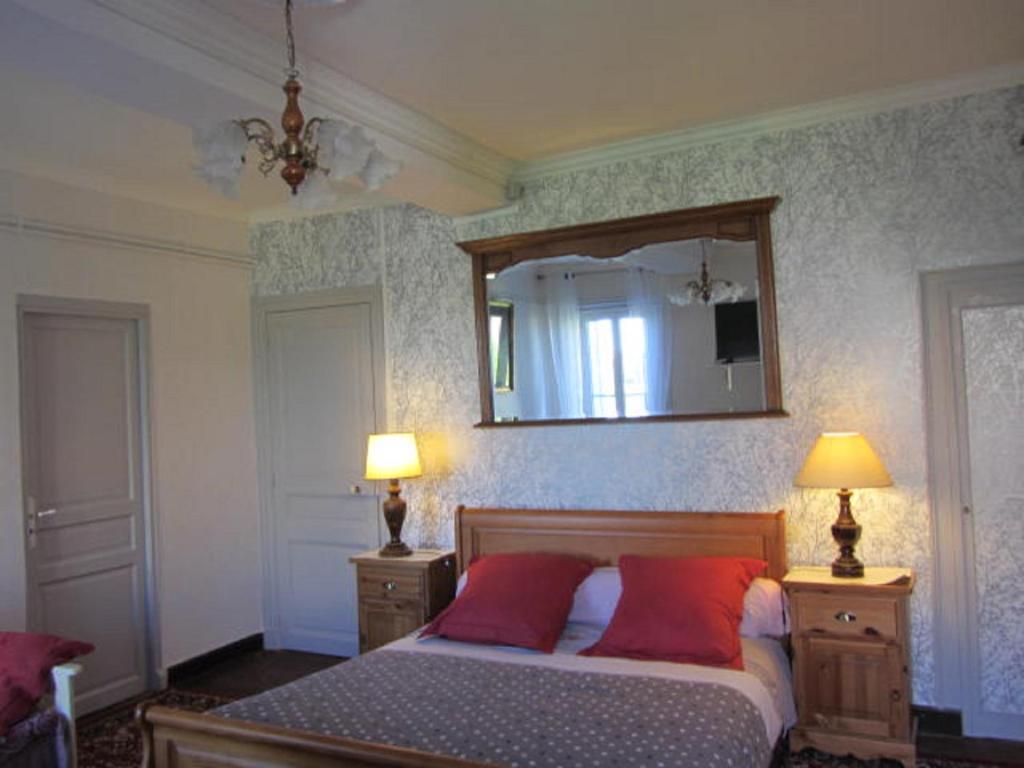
{"points": [[286, 212], [190, 36], [861, 105], [30, 226]]}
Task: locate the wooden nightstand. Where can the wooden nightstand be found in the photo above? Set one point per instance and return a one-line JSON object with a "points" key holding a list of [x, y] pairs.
{"points": [[852, 662], [399, 594]]}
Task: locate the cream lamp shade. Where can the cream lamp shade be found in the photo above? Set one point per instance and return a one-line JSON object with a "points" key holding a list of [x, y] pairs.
{"points": [[842, 460], [392, 456]]}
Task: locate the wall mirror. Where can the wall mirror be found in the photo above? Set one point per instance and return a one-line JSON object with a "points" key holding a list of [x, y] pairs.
{"points": [[662, 317]]}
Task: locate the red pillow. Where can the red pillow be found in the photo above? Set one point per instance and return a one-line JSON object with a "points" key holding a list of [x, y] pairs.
{"points": [[513, 599], [686, 610], [25, 664]]}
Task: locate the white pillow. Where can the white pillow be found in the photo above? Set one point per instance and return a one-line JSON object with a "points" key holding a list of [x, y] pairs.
{"points": [[765, 610], [765, 607], [597, 597]]}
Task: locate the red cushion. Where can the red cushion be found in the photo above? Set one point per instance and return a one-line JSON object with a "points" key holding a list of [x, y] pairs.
{"points": [[513, 599], [25, 664], [685, 610], [15, 704]]}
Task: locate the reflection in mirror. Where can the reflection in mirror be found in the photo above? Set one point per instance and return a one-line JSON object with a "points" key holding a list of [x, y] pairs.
{"points": [[499, 330], [666, 328]]}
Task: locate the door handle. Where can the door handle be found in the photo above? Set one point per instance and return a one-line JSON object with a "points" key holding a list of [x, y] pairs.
{"points": [[30, 516], [46, 513]]}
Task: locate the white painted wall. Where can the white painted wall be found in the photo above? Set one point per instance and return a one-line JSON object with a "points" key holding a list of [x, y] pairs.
{"points": [[203, 448]]}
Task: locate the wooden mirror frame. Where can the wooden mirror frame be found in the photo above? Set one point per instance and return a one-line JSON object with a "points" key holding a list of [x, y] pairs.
{"points": [[739, 221]]}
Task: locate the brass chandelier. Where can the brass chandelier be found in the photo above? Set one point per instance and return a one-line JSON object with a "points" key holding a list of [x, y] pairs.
{"points": [[310, 152]]}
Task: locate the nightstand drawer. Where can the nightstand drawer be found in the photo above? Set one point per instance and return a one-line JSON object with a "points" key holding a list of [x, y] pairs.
{"points": [[381, 584], [847, 615], [410, 606]]}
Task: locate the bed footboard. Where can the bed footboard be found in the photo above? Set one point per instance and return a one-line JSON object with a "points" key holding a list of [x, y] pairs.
{"points": [[175, 738], [63, 676]]}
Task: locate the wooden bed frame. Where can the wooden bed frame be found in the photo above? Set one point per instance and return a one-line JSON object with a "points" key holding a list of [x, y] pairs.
{"points": [[178, 739]]}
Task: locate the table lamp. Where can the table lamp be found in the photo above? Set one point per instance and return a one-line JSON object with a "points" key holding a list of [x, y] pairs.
{"points": [[390, 457], [843, 460]]}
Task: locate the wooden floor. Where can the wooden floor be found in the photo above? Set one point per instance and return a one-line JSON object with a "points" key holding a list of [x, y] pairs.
{"points": [[1006, 753], [254, 672]]}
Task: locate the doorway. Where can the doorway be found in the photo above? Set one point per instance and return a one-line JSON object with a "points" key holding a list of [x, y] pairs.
{"points": [[85, 487], [974, 369], [320, 374]]}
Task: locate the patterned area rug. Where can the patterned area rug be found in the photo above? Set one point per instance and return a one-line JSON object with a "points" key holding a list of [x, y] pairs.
{"points": [[109, 738], [809, 758]]}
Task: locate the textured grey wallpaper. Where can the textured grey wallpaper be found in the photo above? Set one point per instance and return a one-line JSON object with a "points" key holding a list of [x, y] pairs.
{"points": [[867, 204]]}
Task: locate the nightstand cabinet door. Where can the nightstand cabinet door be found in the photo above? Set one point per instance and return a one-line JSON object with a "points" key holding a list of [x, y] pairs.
{"points": [[853, 687], [383, 621]]}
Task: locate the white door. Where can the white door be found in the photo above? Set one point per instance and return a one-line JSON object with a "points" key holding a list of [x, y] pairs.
{"points": [[83, 491], [975, 320], [322, 400]]}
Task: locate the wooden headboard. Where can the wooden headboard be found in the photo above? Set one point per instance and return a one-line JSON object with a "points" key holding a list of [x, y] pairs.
{"points": [[602, 536]]}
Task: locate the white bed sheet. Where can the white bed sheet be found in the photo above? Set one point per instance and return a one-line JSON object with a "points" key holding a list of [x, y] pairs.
{"points": [[766, 680]]}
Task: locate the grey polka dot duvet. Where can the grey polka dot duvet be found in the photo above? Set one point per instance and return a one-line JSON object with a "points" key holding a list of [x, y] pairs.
{"points": [[525, 710]]}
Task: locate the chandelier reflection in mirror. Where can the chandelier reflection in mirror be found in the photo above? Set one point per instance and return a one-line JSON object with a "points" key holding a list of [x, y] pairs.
{"points": [[311, 152], [706, 289]]}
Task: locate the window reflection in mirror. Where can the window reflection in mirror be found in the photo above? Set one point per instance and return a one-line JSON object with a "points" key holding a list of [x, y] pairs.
{"points": [[666, 328], [500, 329]]}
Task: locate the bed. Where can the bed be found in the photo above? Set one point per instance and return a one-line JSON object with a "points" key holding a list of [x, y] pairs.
{"points": [[442, 703], [46, 739]]}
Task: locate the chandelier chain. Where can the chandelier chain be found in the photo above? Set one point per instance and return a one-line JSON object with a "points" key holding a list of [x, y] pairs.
{"points": [[290, 32]]}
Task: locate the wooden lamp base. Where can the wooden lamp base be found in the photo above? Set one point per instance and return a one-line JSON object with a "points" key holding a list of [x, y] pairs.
{"points": [[394, 517], [846, 532]]}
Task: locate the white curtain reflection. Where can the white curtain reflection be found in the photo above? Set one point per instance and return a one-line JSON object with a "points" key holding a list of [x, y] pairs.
{"points": [[563, 308], [549, 378], [645, 299]]}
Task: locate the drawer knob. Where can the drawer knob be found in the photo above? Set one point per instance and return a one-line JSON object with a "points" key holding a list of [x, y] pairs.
{"points": [[895, 695], [390, 586], [846, 616]]}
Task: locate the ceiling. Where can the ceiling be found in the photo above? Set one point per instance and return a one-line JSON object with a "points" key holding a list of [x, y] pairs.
{"points": [[531, 78], [470, 95]]}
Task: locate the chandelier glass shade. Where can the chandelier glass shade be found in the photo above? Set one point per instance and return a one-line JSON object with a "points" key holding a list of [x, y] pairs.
{"points": [[309, 153], [706, 289]]}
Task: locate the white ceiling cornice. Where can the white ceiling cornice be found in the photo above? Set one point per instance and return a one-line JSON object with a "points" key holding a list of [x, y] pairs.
{"points": [[30, 226], [445, 170], [798, 117], [194, 38]]}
